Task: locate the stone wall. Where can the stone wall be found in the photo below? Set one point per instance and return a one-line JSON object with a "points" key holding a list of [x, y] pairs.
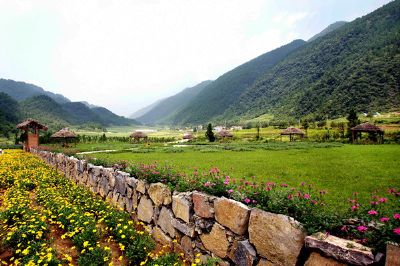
{"points": [[194, 222]]}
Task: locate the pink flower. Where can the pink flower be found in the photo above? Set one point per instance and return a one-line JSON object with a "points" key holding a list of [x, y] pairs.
{"points": [[207, 184], [396, 231], [372, 212], [362, 228], [284, 185], [307, 196], [289, 196], [344, 228], [247, 200], [384, 219], [254, 202], [383, 200], [374, 203], [226, 182], [230, 191], [396, 216], [354, 207]]}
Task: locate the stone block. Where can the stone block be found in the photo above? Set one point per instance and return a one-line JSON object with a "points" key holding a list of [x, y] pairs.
{"points": [[276, 237], [216, 241], [165, 221], [160, 194], [145, 209], [315, 259], [232, 214], [181, 206], [202, 205], [183, 227]]}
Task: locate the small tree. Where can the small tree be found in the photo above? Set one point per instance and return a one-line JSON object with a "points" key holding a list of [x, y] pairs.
{"points": [[209, 133], [258, 132], [353, 121], [305, 125]]}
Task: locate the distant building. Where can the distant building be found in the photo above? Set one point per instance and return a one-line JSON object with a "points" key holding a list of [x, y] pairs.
{"points": [[236, 128]]}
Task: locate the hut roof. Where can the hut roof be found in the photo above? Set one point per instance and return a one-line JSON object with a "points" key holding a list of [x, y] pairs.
{"points": [[366, 127], [30, 123], [187, 136], [138, 134], [224, 133], [292, 131], [64, 133]]}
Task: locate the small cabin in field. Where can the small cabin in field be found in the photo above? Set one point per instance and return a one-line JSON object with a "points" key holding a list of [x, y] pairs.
{"points": [[292, 132], [375, 133], [31, 128]]}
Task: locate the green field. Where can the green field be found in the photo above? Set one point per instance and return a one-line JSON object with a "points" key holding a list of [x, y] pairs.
{"points": [[339, 170]]}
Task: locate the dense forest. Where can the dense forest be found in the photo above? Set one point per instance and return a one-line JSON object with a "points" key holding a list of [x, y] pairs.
{"points": [[356, 66], [347, 65]]}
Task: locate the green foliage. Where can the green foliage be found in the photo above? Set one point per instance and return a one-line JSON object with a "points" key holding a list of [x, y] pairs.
{"points": [[94, 257], [210, 134], [354, 66], [9, 114]]}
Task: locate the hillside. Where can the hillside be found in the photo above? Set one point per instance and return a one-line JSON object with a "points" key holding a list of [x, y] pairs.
{"points": [[10, 113], [162, 112], [46, 110], [219, 95], [20, 91], [81, 114], [145, 109], [330, 28], [356, 66], [109, 118]]}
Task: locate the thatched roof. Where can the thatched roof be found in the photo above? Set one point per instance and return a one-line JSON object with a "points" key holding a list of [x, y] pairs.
{"points": [[187, 136], [224, 134], [64, 133], [292, 131], [31, 124], [138, 135], [366, 127]]}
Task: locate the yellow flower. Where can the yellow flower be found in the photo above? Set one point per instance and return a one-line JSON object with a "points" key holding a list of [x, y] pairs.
{"points": [[85, 244]]}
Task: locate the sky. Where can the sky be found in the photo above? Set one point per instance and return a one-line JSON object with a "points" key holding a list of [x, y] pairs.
{"points": [[126, 54]]}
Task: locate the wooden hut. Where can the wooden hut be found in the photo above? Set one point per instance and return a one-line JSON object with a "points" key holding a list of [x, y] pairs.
{"points": [[31, 128], [223, 134], [138, 135], [292, 132], [64, 134], [375, 133]]}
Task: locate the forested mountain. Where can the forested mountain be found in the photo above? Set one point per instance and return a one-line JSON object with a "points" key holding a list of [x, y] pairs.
{"points": [[330, 28], [356, 66], [20, 91], [10, 113], [220, 94], [55, 115], [109, 118], [162, 112], [145, 109]]}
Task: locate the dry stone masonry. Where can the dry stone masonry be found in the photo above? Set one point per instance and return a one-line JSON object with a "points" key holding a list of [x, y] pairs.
{"points": [[197, 223]]}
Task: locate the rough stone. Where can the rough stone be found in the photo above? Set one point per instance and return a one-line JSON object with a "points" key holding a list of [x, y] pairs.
{"points": [[128, 204], [201, 205], [120, 184], [341, 249], [160, 194], [276, 237], [145, 209], [181, 206], [186, 245], [232, 214], [202, 225], [161, 237], [103, 190], [165, 221], [392, 254], [141, 186], [244, 254], [264, 262], [183, 227], [316, 259], [111, 179], [131, 182], [216, 241], [129, 192]]}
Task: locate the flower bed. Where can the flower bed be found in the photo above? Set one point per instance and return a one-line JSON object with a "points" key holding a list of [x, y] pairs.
{"points": [[35, 200]]}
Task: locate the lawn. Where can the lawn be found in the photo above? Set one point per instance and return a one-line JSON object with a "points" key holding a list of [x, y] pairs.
{"points": [[339, 170]]}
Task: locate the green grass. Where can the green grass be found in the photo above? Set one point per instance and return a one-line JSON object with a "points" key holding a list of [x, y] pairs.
{"points": [[339, 170]]}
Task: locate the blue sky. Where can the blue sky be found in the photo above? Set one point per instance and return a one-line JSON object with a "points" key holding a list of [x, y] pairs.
{"points": [[125, 54]]}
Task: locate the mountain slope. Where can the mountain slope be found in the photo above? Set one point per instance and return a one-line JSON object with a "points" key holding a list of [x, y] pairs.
{"points": [[167, 107], [81, 114], [46, 110], [219, 95], [9, 113], [109, 118], [145, 109], [330, 28], [356, 66], [20, 91]]}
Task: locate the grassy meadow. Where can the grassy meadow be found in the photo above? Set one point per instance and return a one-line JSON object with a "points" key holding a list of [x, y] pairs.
{"points": [[339, 169]]}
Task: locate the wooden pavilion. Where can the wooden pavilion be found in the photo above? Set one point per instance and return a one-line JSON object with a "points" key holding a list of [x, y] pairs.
{"points": [[223, 134], [31, 128], [138, 135], [292, 132], [64, 134], [375, 132]]}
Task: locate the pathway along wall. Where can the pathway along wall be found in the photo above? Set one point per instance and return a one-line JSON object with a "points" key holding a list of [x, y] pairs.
{"points": [[194, 222]]}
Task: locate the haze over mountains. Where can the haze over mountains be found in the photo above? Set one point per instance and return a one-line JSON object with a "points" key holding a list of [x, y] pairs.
{"points": [[20, 100], [347, 65]]}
